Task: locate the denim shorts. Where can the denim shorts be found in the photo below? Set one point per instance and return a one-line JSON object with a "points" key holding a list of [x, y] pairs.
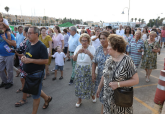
{"points": [[38, 75], [59, 67], [163, 39]]}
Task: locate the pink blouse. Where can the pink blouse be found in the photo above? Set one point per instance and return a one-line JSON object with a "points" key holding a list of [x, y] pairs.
{"points": [[57, 40]]}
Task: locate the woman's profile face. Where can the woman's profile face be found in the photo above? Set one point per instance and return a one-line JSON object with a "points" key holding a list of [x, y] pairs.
{"points": [[43, 32], [110, 49], [55, 30], [152, 37]]}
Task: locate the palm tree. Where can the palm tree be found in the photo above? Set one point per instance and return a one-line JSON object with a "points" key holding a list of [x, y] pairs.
{"points": [[16, 19], [7, 9], [57, 21], [139, 21], [45, 18], [150, 21], [132, 19], [142, 21]]}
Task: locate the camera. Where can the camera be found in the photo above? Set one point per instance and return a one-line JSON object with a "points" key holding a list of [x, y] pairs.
{"points": [[16, 50], [1, 31]]}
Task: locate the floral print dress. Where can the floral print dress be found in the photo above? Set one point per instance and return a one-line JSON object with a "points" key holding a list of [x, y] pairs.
{"points": [[124, 72], [149, 60], [22, 48], [99, 59]]}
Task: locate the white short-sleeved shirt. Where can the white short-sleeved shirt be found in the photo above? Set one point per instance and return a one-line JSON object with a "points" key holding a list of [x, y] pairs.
{"points": [[82, 58], [59, 58], [120, 32], [95, 43], [5, 21]]}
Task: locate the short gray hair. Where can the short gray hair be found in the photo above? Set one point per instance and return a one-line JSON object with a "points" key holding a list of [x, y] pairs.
{"points": [[73, 29], [36, 29]]}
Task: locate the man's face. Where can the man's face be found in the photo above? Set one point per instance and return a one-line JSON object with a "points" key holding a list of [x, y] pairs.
{"points": [[72, 32], [20, 30], [1, 19], [31, 35], [15, 29], [2, 27]]}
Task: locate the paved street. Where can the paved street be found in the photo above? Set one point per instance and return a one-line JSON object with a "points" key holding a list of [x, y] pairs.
{"points": [[64, 99]]}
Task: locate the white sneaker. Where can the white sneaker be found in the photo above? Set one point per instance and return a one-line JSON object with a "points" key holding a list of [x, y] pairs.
{"points": [[78, 105], [94, 100], [53, 70]]}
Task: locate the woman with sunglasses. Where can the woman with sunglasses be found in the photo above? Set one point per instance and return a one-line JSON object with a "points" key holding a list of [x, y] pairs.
{"points": [[127, 36]]}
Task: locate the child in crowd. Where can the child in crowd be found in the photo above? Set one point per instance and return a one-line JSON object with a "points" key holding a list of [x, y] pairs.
{"points": [[5, 22], [59, 62]]}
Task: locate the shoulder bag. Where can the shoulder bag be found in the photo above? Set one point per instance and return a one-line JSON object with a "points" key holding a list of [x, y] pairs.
{"points": [[123, 96]]}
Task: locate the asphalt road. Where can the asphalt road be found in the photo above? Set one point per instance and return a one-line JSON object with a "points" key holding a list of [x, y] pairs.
{"points": [[64, 98]]}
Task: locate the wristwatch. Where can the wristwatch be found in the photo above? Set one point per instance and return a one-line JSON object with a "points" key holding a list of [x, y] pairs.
{"points": [[118, 84]]}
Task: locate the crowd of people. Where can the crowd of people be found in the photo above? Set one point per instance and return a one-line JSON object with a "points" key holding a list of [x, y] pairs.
{"points": [[103, 59]]}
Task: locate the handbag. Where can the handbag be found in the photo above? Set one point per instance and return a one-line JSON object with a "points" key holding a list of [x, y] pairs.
{"points": [[123, 96], [32, 84]]}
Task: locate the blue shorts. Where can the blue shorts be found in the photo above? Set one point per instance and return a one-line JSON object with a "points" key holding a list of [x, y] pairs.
{"points": [[59, 67], [163, 39], [38, 75]]}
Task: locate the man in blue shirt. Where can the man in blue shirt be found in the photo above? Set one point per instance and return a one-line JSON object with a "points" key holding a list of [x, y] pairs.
{"points": [[19, 39], [6, 59], [72, 45], [19, 36]]}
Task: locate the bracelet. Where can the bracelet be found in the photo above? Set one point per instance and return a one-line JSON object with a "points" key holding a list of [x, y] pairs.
{"points": [[118, 84]]}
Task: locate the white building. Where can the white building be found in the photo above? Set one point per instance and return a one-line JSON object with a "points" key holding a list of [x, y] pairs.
{"points": [[116, 24]]}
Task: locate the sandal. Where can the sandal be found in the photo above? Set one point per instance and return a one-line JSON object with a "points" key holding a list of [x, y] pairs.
{"points": [[49, 100], [19, 90], [18, 73], [18, 104], [29, 95], [54, 78], [60, 78]]}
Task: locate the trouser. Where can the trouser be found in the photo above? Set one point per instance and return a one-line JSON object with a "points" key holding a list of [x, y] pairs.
{"points": [[73, 69], [6, 62]]}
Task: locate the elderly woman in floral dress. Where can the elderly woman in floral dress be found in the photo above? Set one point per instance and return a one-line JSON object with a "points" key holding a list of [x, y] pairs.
{"points": [[83, 80], [149, 60], [99, 59]]}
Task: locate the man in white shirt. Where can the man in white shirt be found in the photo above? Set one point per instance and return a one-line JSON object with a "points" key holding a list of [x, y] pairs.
{"points": [[120, 31]]}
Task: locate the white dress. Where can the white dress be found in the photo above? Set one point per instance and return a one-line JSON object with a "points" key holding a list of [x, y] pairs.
{"points": [[144, 37]]}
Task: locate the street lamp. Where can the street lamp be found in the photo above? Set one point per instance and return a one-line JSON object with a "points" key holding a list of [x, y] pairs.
{"points": [[128, 10]]}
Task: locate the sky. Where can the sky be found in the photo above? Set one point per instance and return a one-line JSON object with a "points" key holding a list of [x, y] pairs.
{"points": [[87, 10]]}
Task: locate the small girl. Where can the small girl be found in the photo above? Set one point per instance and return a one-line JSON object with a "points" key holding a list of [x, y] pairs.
{"points": [[59, 62]]}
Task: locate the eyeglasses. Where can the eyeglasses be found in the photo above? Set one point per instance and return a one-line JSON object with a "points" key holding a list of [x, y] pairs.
{"points": [[29, 33], [84, 40], [102, 39]]}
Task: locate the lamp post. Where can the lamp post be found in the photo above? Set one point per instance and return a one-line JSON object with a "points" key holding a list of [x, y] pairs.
{"points": [[128, 10], [157, 19]]}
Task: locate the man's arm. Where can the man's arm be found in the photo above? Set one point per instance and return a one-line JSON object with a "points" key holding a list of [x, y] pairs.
{"points": [[34, 61], [10, 42]]}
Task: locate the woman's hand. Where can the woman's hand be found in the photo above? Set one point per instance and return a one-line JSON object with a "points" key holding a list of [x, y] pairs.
{"points": [[87, 52], [113, 85], [80, 51], [93, 77], [154, 50], [98, 92]]}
